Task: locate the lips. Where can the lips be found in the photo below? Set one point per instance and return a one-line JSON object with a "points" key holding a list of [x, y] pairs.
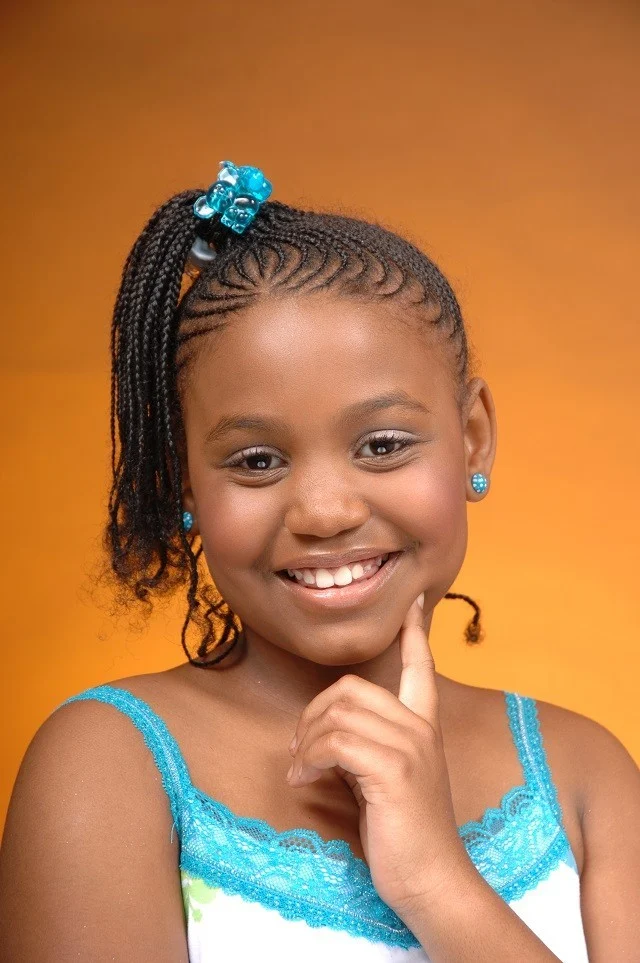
{"points": [[337, 560], [358, 593]]}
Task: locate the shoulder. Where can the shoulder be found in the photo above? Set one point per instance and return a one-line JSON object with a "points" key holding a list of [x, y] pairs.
{"points": [[77, 751], [88, 831], [590, 752], [588, 764], [76, 735], [581, 750], [578, 747], [86, 736]]}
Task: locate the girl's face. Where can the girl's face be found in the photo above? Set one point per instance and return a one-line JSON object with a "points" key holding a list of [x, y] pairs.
{"points": [[313, 470]]}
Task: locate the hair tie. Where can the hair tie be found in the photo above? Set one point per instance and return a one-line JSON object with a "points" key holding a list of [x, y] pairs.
{"points": [[236, 195]]}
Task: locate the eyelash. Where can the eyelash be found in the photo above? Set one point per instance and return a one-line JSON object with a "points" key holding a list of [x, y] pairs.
{"points": [[380, 438]]}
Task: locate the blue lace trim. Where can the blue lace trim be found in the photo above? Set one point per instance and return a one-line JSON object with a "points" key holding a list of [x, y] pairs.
{"points": [[524, 722], [296, 872], [322, 882]]}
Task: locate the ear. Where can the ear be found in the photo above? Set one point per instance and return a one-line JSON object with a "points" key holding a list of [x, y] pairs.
{"points": [[480, 433]]}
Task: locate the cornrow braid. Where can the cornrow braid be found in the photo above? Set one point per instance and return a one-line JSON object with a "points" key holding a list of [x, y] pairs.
{"points": [[158, 320]]}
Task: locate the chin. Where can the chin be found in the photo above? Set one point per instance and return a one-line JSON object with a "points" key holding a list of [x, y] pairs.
{"points": [[347, 655], [338, 661]]}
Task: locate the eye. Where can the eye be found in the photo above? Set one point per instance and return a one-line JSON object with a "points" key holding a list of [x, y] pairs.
{"points": [[259, 456], [386, 439]]}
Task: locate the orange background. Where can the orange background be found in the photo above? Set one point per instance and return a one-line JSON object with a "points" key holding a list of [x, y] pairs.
{"points": [[501, 136]]}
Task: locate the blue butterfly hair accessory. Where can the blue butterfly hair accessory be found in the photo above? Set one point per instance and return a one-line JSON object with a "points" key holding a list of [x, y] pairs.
{"points": [[236, 195]]}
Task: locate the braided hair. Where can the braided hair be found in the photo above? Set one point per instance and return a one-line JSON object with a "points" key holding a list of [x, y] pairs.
{"points": [[160, 314]]}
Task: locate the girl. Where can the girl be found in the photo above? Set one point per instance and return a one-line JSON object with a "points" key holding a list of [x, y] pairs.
{"points": [[293, 404]]}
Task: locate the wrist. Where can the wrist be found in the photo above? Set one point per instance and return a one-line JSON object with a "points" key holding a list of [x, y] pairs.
{"points": [[459, 917], [451, 882]]}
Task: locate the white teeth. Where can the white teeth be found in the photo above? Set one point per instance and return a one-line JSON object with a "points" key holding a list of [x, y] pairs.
{"points": [[325, 578], [343, 576]]}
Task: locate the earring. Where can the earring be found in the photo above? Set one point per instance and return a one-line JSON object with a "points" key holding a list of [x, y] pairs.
{"points": [[187, 521], [479, 483]]}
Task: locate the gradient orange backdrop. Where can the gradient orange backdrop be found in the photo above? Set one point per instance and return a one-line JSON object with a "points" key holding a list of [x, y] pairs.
{"points": [[501, 136]]}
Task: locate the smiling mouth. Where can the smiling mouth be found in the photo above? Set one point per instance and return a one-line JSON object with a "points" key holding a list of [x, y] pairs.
{"points": [[319, 580]]}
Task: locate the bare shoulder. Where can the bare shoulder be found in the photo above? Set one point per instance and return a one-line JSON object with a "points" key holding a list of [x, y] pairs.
{"points": [[88, 832], [580, 750], [589, 751], [583, 755], [175, 686], [606, 775]]}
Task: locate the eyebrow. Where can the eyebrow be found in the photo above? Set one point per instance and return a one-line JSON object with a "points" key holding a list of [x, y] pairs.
{"points": [[392, 399]]}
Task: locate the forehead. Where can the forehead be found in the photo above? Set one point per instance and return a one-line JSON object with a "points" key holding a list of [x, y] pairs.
{"points": [[319, 351]]}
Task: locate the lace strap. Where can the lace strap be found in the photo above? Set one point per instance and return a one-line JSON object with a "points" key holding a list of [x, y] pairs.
{"points": [[164, 748], [525, 728]]}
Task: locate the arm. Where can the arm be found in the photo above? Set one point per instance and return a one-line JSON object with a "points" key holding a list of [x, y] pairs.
{"points": [[87, 867], [610, 882]]}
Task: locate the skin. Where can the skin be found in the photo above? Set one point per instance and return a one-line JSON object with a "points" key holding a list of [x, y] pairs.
{"points": [[303, 361], [89, 827]]}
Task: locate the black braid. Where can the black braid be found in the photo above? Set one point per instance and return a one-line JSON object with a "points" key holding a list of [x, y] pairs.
{"points": [[155, 334], [473, 632]]}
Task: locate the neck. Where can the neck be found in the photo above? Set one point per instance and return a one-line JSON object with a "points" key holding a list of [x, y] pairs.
{"points": [[269, 676]]}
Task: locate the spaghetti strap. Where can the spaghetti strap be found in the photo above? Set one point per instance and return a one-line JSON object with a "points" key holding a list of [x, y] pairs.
{"points": [[164, 748], [527, 735]]}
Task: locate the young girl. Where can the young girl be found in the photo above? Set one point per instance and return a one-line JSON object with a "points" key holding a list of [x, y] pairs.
{"points": [[293, 405]]}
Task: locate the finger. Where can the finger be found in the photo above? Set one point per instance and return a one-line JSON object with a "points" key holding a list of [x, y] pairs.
{"points": [[418, 687], [356, 755], [358, 692], [342, 717]]}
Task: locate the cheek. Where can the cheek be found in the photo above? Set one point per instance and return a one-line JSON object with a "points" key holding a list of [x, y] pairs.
{"points": [[236, 525], [431, 507], [430, 502]]}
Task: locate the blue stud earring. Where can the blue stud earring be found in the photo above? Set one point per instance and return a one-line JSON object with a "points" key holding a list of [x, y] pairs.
{"points": [[187, 521], [479, 483]]}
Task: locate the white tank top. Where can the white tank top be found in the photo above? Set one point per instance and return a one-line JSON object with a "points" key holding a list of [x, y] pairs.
{"points": [[251, 892]]}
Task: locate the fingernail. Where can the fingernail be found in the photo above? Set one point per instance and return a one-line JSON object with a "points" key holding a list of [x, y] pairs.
{"points": [[420, 600], [290, 771], [294, 743]]}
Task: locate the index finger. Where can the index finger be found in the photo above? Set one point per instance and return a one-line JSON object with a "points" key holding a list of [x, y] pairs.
{"points": [[418, 687]]}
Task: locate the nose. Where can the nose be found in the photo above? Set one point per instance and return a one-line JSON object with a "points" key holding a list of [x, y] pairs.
{"points": [[324, 505]]}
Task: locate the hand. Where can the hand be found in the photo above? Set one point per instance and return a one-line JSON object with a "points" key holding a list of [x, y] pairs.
{"points": [[390, 753]]}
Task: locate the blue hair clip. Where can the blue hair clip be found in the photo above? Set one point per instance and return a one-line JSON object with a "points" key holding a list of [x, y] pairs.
{"points": [[236, 195]]}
